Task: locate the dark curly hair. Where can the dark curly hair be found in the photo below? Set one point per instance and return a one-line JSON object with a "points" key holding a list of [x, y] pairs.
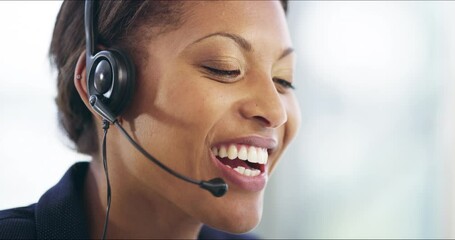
{"points": [[120, 25]]}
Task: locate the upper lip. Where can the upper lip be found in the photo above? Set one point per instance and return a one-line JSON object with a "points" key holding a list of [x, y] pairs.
{"points": [[258, 141]]}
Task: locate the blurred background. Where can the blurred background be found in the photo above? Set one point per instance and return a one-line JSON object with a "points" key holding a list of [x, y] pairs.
{"points": [[373, 158]]}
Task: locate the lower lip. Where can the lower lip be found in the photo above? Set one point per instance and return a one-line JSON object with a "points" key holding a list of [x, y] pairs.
{"points": [[253, 184]]}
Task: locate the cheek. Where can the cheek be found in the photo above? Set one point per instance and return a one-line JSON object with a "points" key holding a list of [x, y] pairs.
{"points": [[181, 115], [188, 101]]}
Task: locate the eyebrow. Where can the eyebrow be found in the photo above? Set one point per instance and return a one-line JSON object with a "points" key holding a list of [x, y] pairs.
{"points": [[286, 52], [242, 42]]}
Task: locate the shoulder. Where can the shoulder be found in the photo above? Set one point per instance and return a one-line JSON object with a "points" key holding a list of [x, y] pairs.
{"points": [[211, 233], [18, 223], [58, 214]]}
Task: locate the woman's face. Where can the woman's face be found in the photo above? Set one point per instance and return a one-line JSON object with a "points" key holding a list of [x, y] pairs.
{"points": [[215, 89]]}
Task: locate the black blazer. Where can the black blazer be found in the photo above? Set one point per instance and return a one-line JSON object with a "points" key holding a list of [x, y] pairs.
{"points": [[59, 214]]}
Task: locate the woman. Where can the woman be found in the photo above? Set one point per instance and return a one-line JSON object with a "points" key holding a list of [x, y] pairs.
{"points": [[213, 94]]}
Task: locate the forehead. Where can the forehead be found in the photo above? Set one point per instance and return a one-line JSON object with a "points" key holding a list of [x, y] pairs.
{"points": [[262, 23]]}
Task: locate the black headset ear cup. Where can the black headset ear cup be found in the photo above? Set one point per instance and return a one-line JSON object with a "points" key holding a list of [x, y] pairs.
{"points": [[112, 79], [103, 77]]}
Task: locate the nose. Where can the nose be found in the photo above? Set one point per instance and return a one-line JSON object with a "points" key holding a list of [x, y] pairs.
{"points": [[264, 104]]}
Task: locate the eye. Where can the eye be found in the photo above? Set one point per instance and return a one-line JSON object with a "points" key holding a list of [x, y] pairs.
{"points": [[283, 83], [223, 72]]}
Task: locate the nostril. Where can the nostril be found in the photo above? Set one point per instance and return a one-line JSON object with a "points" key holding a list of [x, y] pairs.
{"points": [[263, 120]]}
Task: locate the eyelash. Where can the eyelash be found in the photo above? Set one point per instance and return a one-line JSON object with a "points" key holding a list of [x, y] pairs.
{"points": [[284, 83], [235, 73], [223, 73]]}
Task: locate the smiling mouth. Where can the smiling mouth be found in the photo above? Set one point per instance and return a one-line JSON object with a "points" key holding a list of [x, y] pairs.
{"points": [[246, 160]]}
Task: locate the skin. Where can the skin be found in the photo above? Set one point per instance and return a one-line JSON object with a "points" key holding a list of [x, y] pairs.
{"points": [[180, 110]]}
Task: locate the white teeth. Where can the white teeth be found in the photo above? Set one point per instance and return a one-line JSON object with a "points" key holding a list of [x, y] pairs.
{"points": [[215, 151], [246, 153], [240, 169], [247, 172], [243, 154], [222, 153], [263, 155], [232, 152], [252, 155], [260, 156]]}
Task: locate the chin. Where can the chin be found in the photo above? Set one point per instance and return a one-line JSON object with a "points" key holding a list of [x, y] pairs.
{"points": [[237, 216], [236, 225]]}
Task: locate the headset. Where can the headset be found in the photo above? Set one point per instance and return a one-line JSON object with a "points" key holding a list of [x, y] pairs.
{"points": [[110, 88]]}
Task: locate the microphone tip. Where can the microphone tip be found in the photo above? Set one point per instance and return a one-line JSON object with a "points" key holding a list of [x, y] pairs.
{"points": [[216, 186]]}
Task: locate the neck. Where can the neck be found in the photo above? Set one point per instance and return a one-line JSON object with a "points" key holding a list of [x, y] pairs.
{"points": [[132, 214]]}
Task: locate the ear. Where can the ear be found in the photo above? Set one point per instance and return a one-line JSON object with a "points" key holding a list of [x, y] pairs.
{"points": [[80, 81]]}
